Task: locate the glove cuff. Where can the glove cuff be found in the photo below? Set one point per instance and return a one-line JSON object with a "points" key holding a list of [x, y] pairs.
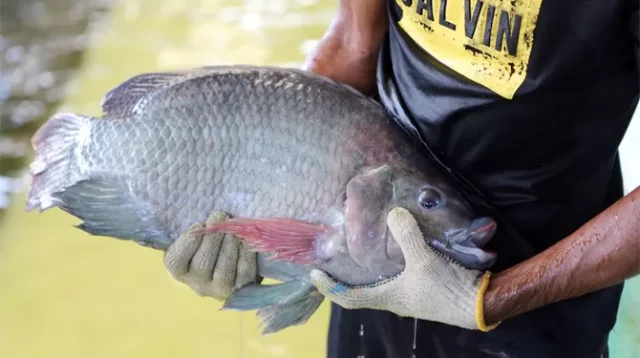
{"points": [[484, 285]]}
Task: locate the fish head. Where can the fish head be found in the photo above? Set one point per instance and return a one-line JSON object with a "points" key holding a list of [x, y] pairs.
{"points": [[445, 218]]}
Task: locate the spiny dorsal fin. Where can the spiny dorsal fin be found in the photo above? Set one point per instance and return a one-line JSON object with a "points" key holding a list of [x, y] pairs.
{"points": [[130, 97], [125, 96]]}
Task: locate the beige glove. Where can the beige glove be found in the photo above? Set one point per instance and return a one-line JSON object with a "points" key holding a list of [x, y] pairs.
{"points": [[431, 287], [213, 265]]}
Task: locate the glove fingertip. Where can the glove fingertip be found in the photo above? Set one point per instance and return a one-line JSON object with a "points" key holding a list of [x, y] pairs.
{"points": [[406, 232], [336, 291], [216, 217], [400, 221], [178, 256]]}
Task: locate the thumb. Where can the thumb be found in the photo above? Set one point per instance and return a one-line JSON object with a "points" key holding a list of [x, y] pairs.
{"points": [[336, 291], [406, 232], [351, 297]]}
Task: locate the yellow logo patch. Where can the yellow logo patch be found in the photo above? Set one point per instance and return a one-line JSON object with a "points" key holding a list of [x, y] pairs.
{"points": [[487, 41]]}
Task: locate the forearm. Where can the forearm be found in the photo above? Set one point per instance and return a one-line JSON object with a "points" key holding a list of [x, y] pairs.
{"points": [[348, 51], [603, 252]]}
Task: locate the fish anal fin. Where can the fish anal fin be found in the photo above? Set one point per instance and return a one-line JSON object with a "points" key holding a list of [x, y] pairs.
{"points": [[107, 208], [286, 240]]}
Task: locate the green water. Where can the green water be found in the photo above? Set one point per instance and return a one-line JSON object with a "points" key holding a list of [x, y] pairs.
{"points": [[66, 294]]}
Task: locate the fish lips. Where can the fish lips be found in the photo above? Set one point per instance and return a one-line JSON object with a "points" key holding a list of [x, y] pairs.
{"points": [[466, 246], [480, 232]]}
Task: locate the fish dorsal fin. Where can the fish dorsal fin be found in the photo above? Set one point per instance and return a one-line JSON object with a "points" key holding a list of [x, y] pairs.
{"points": [[127, 95], [130, 97]]}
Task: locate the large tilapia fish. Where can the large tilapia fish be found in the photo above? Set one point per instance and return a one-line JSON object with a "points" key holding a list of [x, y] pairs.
{"points": [[308, 169]]}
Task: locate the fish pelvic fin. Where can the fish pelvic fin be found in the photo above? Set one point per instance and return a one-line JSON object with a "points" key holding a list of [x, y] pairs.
{"points": [[279, 317], [286, 240], [255, 296], [108, 208], [57, 144], [279, 305]]}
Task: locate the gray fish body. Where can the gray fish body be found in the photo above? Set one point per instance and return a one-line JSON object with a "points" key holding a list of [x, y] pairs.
{"points": [[234, 143], [255, 142]]}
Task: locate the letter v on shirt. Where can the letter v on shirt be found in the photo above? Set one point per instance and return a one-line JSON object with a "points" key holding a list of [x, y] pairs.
{"points": [[487, 41]]}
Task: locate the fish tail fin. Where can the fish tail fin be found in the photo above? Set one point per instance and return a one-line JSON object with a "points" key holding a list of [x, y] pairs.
{"points": [[287, 240], [279, 306], [106, 205], [55, 165]]}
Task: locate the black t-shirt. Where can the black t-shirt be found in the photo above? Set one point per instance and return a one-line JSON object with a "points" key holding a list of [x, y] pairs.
{"points": [[528, 113]]}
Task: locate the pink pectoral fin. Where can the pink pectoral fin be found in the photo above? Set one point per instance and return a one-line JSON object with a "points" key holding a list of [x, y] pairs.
{"points": [[288, 240]]}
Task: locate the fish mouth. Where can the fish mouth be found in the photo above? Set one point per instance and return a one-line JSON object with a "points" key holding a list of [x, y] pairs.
{"points": [[480, 232], [466, 246]]}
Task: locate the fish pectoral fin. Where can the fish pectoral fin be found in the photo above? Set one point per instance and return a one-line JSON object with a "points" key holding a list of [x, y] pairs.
{"points": [[279, 317], [256, 296], [107, 208], [286, 240]]}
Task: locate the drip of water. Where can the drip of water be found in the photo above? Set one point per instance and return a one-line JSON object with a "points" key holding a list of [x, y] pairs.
{"points": [[415, 338], [361, 333]]}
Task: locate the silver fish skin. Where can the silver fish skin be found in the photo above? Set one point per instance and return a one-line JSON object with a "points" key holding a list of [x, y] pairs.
{"points": [[308, 168]]}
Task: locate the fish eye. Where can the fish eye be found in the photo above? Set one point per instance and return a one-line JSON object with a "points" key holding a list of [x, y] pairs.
{"points": [[429, 199]]}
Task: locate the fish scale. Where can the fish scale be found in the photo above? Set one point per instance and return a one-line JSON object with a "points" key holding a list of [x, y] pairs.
{"points": [[283, 151], [238, 128]]}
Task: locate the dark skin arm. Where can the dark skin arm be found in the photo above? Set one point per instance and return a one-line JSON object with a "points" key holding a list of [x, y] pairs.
{"points": [[602, 253], [348, 51]]}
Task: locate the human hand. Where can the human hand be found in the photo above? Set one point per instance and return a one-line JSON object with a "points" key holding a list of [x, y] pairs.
{"points": [[212, 265], [431, 287], [348, 52]]}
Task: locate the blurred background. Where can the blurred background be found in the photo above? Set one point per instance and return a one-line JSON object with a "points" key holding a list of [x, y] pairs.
{"points": [[64, 293]]}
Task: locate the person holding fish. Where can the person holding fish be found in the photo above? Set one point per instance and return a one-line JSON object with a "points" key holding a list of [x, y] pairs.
{"points": [[525, 103], [473, 207]]}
